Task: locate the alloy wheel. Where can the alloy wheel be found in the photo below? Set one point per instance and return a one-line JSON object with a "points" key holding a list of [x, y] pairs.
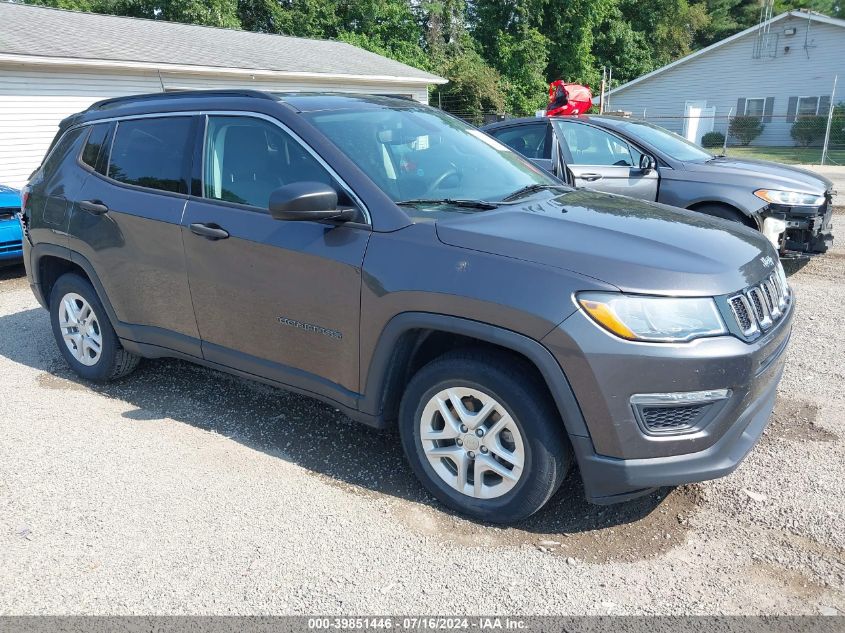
{"points": [[80, 329], [472, 442]]}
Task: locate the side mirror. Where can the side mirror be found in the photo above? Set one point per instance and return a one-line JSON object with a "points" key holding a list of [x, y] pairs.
{"points": [[313, 201], [647, 163]]}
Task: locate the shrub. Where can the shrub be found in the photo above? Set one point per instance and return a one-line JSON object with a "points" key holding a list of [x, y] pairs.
{"points": [[745, 129], [808, 130], [713, 139]]}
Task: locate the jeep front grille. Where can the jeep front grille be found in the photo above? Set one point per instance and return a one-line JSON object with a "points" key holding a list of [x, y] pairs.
{"points": [[758, 308]]}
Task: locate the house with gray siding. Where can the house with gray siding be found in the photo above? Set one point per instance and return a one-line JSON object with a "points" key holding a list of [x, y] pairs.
{"points": [[779, 70]]}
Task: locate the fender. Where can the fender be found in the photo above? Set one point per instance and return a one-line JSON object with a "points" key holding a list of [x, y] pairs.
{"points": [[372, 400], [151, 337]]}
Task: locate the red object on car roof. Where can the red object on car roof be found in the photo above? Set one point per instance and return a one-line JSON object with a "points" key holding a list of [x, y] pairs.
{"points": [[567, 98]]}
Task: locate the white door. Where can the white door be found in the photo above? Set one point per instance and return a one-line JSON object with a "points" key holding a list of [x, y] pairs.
{"points": [[698, 120]]}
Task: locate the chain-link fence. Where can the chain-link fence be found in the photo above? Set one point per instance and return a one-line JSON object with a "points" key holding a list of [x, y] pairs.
{"points": [[798, 139], [473, 109]]}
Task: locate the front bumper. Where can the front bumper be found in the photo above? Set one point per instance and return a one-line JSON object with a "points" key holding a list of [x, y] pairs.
{"points": [[620, 459], [808, 229], [610, 480], [11, 246]]}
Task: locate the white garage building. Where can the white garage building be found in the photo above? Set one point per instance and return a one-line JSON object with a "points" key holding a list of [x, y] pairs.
{"points": [[54, 63]]}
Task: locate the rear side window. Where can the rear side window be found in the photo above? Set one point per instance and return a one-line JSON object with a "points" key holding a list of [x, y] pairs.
{"points": [[152, 153], [60, 151], [95, 152], [529, 140]]}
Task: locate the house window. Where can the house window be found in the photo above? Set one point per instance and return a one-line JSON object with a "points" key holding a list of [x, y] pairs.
{"points": [[754, 107], [808, 106]]}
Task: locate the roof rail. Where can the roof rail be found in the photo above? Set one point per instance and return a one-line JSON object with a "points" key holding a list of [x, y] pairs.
{"points": [[178, 94]]}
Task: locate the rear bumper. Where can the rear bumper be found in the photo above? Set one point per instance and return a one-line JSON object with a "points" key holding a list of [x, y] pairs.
{"points": [[11, 246]]}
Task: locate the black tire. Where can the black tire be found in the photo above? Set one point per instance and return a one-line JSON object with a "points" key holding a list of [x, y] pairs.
{"points": [[726, 213], [512, 383], [114, 362]]}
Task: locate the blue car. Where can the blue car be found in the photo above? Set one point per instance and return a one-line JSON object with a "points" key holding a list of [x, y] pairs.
{"points": [[11, 247]]}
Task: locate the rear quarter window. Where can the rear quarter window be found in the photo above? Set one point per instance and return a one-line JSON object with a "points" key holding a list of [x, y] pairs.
{"points": [[152, 153], [95, 151]]}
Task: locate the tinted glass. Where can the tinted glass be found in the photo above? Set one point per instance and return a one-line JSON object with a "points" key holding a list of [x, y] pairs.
{"points": [[529, 140], [152, 153], [671, 144], [246, 159], [418, 152], [95, 144], [589, 145], [60, 151]]}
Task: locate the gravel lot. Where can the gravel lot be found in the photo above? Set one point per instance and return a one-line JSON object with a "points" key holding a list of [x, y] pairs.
{"points": [[181, 490]]}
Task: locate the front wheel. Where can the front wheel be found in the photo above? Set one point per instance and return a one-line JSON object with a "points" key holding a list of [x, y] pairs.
{"points": [[483, 436], [83, 332]]}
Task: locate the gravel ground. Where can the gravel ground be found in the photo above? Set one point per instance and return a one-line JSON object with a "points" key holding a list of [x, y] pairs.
{"points": [[181, 490]]}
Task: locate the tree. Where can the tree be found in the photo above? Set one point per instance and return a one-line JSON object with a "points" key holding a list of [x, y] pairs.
{"points": [[571, 26], [474, 87], [522, 61]]}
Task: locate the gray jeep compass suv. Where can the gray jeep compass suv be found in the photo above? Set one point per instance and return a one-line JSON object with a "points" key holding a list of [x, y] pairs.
{"points": [[410, 270]]}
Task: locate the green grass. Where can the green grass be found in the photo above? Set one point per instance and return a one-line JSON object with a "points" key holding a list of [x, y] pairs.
{"points": [[789, 155]]}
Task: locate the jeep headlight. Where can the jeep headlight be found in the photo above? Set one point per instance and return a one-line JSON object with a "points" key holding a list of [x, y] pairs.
{"points": [[653, 319], [790, 198]]}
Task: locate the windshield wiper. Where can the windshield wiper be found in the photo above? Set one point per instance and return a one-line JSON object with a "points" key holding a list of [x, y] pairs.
{"points": [[455, 202], [529, 189]]}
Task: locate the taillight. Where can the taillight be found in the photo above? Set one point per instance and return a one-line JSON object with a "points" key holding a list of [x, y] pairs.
{"points": [[24, 198]]}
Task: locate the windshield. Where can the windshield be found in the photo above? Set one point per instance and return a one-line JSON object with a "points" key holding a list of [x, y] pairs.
{"points": [[671, 144], [420, 154]]}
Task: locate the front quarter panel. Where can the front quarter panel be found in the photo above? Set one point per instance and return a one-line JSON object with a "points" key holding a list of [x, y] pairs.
{"points": [[683, 188], [412, 271]]}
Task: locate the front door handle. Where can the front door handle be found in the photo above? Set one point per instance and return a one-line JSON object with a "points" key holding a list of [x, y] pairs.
{"points": [[209, 231], [93, 206], [590, 177]]}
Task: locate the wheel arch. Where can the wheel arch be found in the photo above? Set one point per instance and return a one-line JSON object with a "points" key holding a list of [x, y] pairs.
{"points": [[49, 262], [411, 339], [750, 218]]}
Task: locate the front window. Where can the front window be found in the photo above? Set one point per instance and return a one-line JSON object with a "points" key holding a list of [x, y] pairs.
{"points": [[589, 145], [666, 142], [420, 153], [246, 159]]}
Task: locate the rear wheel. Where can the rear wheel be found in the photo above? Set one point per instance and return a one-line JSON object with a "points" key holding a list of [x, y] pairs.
{"points": [[83, 332], [483, 436]]}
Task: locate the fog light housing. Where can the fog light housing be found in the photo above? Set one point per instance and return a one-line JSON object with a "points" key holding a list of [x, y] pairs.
{"points": [[678, 412]]}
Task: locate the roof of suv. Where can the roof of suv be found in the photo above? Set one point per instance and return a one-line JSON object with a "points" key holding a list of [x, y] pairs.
{"points": [[188, 99]]}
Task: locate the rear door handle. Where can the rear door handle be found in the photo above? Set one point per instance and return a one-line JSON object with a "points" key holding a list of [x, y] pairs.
{"points": [[209, 231], [590, 177], [93, 206]]}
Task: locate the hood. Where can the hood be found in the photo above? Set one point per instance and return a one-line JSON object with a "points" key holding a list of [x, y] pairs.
{"points": [[636, 246], [9, 197], [766, 174]]}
